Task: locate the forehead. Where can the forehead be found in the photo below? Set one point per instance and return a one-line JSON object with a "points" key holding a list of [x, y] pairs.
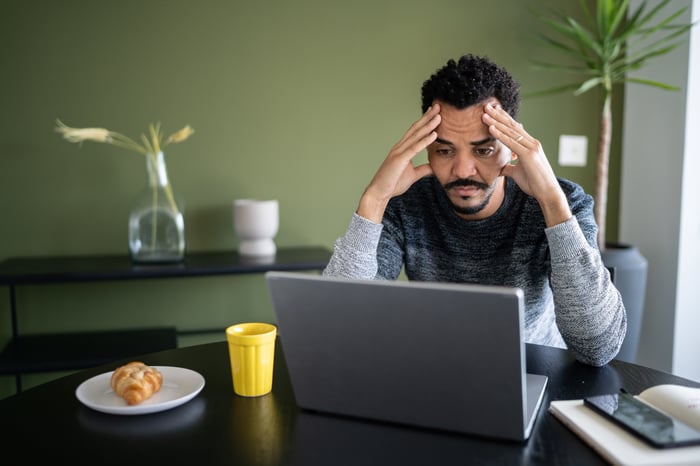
{"points": [[462, 126]]}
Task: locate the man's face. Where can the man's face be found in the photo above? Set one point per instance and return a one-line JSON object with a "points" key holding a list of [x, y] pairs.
{"points": [[467, 161]]}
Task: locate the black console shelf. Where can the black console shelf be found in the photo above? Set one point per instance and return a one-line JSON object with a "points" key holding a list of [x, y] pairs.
{"points": [[67, 351], [71, 351]]}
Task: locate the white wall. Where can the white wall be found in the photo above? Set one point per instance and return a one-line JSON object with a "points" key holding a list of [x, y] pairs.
{"points": [[686, 348], [660, 201]]}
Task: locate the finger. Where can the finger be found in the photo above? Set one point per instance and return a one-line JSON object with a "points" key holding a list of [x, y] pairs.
{"points": [[507, 170], [417, 140], [515, 139], [423, 170], [421, 127], [499, 114], [507, 128], [424, 119], [417, 145]]}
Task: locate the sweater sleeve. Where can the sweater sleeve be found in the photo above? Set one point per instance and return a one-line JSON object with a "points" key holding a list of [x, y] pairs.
{"points": [[589, 311], [355, 253]]}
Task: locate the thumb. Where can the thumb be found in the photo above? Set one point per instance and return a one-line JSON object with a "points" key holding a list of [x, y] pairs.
{"points": [[508, 170], [423, 170]]}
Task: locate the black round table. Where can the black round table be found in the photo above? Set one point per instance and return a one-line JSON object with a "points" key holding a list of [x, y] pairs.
{"points": [[47, 424]]}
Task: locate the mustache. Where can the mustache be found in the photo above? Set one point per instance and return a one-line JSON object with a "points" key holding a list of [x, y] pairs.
{"points": [[465, 182]]}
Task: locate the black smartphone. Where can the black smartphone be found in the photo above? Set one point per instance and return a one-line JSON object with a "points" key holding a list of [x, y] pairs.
{"points": [[652, 426]]}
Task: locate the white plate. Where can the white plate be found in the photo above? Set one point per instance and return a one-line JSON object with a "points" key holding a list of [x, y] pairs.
{"points": [[179, 386]]}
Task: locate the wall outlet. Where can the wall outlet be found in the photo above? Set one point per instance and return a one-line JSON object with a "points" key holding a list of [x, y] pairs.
{"points": [[572, 150]]}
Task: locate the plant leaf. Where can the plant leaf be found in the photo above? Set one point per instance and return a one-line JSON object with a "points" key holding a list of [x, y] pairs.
{"points": [[617, 46], [589, 84], [650, 82], [552, 90]]}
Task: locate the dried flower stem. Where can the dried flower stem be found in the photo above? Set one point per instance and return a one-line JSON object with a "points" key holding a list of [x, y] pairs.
{"points": [[151, 148]]}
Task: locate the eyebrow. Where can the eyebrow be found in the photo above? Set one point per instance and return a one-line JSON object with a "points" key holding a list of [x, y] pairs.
{"points": [[473, 143]]}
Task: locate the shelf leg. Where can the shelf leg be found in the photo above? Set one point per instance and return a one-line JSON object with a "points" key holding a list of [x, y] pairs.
{"points": [[13, 311], [13, 317]]}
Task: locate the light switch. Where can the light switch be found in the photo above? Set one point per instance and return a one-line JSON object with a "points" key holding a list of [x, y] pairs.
{"points": [[572, 150]]}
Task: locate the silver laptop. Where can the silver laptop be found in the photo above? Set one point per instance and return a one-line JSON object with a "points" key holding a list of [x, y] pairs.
{"points": [[436, 355]]}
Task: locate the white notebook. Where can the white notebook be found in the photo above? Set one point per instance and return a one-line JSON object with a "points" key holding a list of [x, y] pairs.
{"points": [[615, 444]]}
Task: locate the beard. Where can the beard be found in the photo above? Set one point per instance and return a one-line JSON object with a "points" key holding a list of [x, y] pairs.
{"points": [[488, 189]]}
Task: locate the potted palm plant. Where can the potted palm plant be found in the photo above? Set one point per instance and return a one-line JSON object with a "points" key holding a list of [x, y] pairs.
{"points": [[614, 40]]}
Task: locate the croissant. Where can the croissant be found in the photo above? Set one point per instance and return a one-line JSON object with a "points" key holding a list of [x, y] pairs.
{"points": [[136, 382]]}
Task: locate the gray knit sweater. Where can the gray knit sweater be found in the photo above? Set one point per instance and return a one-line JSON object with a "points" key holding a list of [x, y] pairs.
{"points": [[569, 298]]}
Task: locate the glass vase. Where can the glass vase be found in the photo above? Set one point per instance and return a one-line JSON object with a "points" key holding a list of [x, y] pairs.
{"points": [[156, 222]]}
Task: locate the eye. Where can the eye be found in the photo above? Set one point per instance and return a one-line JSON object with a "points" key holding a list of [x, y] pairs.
{"points": [[444, 151], [484, 152]]}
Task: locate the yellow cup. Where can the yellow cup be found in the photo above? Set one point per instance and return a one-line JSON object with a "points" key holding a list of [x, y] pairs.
{"points": [[251, 348]]}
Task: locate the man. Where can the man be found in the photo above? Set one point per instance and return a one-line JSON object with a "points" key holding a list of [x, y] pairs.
{"points": [[487, 208]]}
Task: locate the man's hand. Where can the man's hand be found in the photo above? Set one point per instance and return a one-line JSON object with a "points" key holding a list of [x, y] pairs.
{"points": [[531, 170], [397, 173]]}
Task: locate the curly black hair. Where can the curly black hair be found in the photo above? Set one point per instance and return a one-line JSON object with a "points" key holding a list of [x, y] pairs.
{"points": [[471, 81]]}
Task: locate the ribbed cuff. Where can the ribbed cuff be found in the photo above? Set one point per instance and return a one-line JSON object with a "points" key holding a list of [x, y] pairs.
{"points": [[362, 235], [566, 240]]}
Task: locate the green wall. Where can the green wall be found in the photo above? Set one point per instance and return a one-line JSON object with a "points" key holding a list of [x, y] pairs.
{"points": [[294, 100]]}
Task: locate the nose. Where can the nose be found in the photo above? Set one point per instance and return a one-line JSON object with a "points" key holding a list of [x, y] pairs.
{"points": [[463, 166]]}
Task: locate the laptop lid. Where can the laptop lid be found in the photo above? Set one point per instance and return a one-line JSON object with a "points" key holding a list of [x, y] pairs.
{"points": [[437, 355]]}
